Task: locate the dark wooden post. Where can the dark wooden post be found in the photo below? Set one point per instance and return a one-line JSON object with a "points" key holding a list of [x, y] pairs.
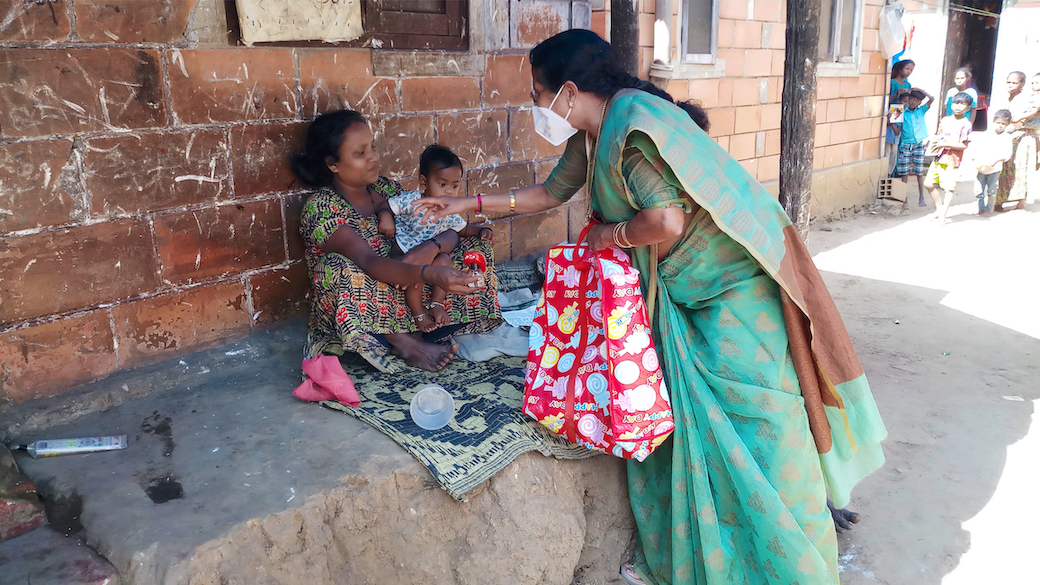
{"points": [[624, 33], [798, 123]]}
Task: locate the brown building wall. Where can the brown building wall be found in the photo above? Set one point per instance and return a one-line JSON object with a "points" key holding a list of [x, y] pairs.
{"points": [[744, 100], [146, 206]]}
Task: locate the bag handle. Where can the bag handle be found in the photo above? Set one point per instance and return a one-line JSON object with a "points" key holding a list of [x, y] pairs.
{"points": [[585, 232], [581, 329]]}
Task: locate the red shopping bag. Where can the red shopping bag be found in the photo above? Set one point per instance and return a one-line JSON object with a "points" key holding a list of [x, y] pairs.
{"points": [[599, 386]]}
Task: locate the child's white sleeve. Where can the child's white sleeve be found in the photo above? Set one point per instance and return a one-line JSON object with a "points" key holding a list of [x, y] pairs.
{"points": [[400, 204]]}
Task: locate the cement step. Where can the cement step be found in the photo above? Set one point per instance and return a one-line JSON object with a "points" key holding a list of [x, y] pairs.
{"points": [[230, 479]]}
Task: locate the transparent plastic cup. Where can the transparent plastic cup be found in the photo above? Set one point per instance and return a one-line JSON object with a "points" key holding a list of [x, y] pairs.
{"points": [[432, 407]]}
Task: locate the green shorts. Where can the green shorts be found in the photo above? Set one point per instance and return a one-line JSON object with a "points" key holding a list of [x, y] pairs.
{"points": [[943, 175]]}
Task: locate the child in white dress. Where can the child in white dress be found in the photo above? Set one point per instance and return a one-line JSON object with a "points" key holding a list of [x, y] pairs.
{"points": [[428, 242]]}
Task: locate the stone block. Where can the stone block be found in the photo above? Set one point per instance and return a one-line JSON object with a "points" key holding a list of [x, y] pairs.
{"points": [[772, 142], [156, 328], [823, 135], [828, 88], [524, 142], [143, 172], [501, 243], [533, 21], [66, 91], [194, 246], [769, 168], [767, 10], [400, 141], [507, 81], [74, 268], [499, 180], [734, 61], [748, 119], [733, 9], [260, 157], [43, 360], [536, 233], [725, 93], [232, 85], [722, 121], [726, 34], [848, 87], [45, 556], [24, 22], [20, 508], [292, 208], [742, 146], [747, 35], [423, 94], [771, 116], [132, 21], [479, 138], [279, 294], [704, 91], [40, 185], [343, 79], [745, 92]]}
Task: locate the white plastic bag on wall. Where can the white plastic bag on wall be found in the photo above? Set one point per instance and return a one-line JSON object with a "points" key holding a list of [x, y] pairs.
{"points": [[891, 30]]}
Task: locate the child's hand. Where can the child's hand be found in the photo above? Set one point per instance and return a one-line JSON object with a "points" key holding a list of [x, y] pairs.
{"points": [[487, 234], [386, 225]]}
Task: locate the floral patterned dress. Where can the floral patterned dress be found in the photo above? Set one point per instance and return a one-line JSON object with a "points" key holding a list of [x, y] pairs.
{"points": [[350, 309]]}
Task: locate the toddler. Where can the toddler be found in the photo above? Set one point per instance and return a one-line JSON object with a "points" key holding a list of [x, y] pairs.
{"points": [[428, 242]]}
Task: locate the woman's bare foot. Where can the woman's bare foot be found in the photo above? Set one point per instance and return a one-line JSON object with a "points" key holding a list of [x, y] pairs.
{"points": [[424, 355], [425, 322], [1021, 204], [439, 314], [843, 519]]}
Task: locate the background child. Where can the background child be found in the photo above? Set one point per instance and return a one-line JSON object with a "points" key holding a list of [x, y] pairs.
{"points": [[912, 135], [962, 84], [988, 151], [421, 242], [949, 145]]}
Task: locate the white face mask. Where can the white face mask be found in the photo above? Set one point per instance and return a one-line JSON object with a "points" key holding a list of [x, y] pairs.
{"points": [[552, 126]]}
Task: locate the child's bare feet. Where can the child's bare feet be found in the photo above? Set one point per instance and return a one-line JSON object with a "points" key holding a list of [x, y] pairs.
{"points": [[439, 314], [425, 322]]}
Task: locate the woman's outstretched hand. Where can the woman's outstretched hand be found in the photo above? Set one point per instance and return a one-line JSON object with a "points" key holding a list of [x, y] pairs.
{"points": [[434, 208], [452, 280]]}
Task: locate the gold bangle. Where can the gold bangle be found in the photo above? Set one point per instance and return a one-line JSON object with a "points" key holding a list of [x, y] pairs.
{"points": [[617, 230], [512, 202], [624, 235]]}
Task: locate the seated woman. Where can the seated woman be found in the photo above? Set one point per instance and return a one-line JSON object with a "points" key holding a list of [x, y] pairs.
{"points": [[357, 291]]}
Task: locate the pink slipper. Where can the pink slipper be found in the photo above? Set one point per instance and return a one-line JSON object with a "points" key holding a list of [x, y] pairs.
{"points": [[326, 380]]}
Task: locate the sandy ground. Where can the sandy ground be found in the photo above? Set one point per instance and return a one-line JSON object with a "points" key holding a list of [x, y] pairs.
{"points": [[946, 320]]}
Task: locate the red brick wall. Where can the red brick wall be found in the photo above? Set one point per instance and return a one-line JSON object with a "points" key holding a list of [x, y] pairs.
{"points": [[146, 207]]}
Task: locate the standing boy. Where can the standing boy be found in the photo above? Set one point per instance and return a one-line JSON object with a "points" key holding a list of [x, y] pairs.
{"points": [[948, 145], [988, 152], [912, 135]]}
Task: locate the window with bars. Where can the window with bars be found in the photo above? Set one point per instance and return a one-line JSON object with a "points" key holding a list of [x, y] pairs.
{"points": [[840, 30], [700, 31]]}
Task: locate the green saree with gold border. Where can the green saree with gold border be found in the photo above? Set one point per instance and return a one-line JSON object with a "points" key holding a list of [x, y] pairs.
{"points": [[772, 408]]}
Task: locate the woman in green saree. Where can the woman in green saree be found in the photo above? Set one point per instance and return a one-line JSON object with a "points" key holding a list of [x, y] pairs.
{"points": [[771, 406]]}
